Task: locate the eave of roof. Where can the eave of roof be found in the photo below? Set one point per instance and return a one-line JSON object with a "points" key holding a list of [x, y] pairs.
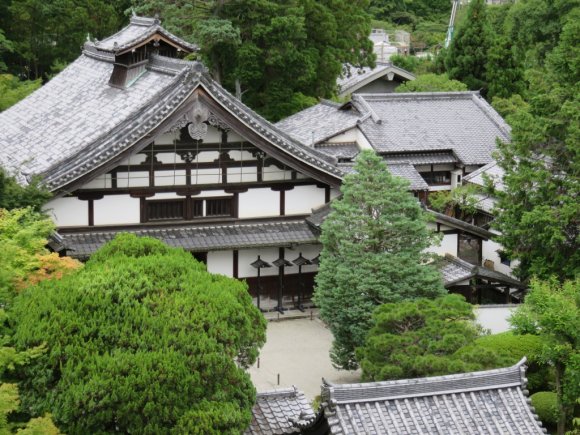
{"points": [[196, 237], [462, 225]]}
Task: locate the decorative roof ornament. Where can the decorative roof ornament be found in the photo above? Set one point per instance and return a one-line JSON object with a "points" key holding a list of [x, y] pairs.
{"points": [[198, 116], [156, 19], [216, 122]]}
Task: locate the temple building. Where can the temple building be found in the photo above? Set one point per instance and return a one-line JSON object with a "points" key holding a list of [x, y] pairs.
{"points": [[132, 138]]}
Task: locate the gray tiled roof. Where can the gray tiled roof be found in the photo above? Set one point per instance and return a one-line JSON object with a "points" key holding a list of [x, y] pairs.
{"points": [[421, 158], [346, 150], [459, 121], [482, 403], [491, 170], [455, 270], [354, 78], [462, 225], [280, 412], [318, 123], [139, 30], [403, 169], [77, 123], [197, 237]]}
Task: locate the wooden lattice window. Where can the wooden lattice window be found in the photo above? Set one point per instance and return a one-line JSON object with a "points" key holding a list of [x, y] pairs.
{"points": [[165, 209], [218, 207]]}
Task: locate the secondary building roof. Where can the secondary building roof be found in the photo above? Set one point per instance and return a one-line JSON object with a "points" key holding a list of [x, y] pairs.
{"points": [[491, 171], [455, 270], [197, 238], [356, 78], [483, 403], [280, 412]]}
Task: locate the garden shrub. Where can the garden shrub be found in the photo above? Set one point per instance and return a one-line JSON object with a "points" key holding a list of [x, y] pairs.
{"points": [[546, 405]]}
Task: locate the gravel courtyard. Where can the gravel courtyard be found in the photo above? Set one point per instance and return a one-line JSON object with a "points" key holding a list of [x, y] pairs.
{"points": [[297, 349]]}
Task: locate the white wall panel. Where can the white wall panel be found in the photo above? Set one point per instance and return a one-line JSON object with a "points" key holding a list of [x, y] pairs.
{"points": [[259, 202], [448, 245], [242, 155], [248, 256], [67, 212], [167, 138], [168, 158], [302, 199], [117, 209], [490, 252], [206, 176], [221, 262], [242, 175], [170, 178], [270, 173], [101, 182], [234, 137]]}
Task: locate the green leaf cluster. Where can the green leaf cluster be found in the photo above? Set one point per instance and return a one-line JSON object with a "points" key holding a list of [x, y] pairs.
{"points": [[432, 83], [13, 90], [143, 339], [552, 311], [545, 404], [374, 244], [14, 195], [460, 202], [419, 338]]}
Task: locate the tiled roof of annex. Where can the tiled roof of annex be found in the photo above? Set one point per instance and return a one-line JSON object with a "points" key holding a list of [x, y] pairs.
{"points": [[353, 78], [81, 244], [280, 412], [482, 403]]}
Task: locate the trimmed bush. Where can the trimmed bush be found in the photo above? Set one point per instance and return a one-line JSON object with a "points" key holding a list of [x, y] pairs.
{"points": [[546, 405], [141, 340], [509, 349]]}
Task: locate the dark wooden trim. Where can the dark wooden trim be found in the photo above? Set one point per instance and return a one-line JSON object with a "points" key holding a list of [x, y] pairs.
{"points": [[449, 231], [265, 145], [438, 227], [236, 205], [91, 212], [282, 202], [141, 194], [137, 192], [235, 272], [327, 194], [90, 196]]}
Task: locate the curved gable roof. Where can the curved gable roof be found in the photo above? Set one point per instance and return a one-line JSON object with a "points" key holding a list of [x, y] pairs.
{"points": [[350, 83]]}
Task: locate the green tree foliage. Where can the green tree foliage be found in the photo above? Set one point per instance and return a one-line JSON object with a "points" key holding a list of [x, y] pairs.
{"points": [[467, 55], [5, 46], [419, 338], [409, 11], [460, 202], [510, 349], [545, 404], [503, 74], [13, 90], [432, 83], [24, 260], [539, 209], [142, 339], [552, 311], [373, 253], [43, 32], [14, 195]]}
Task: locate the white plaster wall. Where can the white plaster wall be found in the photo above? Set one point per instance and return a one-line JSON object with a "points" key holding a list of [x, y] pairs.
{"points": [[206, 176], [242, 175], [101, 182], [489, 249], [170, 178], [221, 262], [132, 179], [259, 202], [207, 156], [346, 136], [167, 138], [445, 167], [213, 135], [168, 158], [272, 172], [334, 193], [235, 137], [248, 256], [242, 155], [494, 318], [302, 199], [117, 209], [308, 251], [134, 159], [448, 245], [67, 212]]}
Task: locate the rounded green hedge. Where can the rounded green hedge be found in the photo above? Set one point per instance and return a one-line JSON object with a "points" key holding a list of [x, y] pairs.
{"points": [[546, 405]]}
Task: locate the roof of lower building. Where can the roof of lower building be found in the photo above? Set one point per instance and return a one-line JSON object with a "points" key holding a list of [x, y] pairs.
{"points": [[354, 78], [483, 403], [197, 238], [340, 150], [402, 169], [421, 158], [459, 121], [455, 270], [491, 171], [319, 122], [279, 412]]}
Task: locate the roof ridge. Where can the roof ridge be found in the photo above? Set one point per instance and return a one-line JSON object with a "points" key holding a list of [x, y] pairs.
{"points": [[492, 114], [278, 392], [506, 377], [418, 95]]}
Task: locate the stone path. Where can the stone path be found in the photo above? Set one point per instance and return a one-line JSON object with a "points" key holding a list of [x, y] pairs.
{"points": [[297, 349]]}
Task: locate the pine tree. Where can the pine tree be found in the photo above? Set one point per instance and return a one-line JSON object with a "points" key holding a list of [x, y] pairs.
{"points": [[504, 73], [374, 244], [467, 55]]}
